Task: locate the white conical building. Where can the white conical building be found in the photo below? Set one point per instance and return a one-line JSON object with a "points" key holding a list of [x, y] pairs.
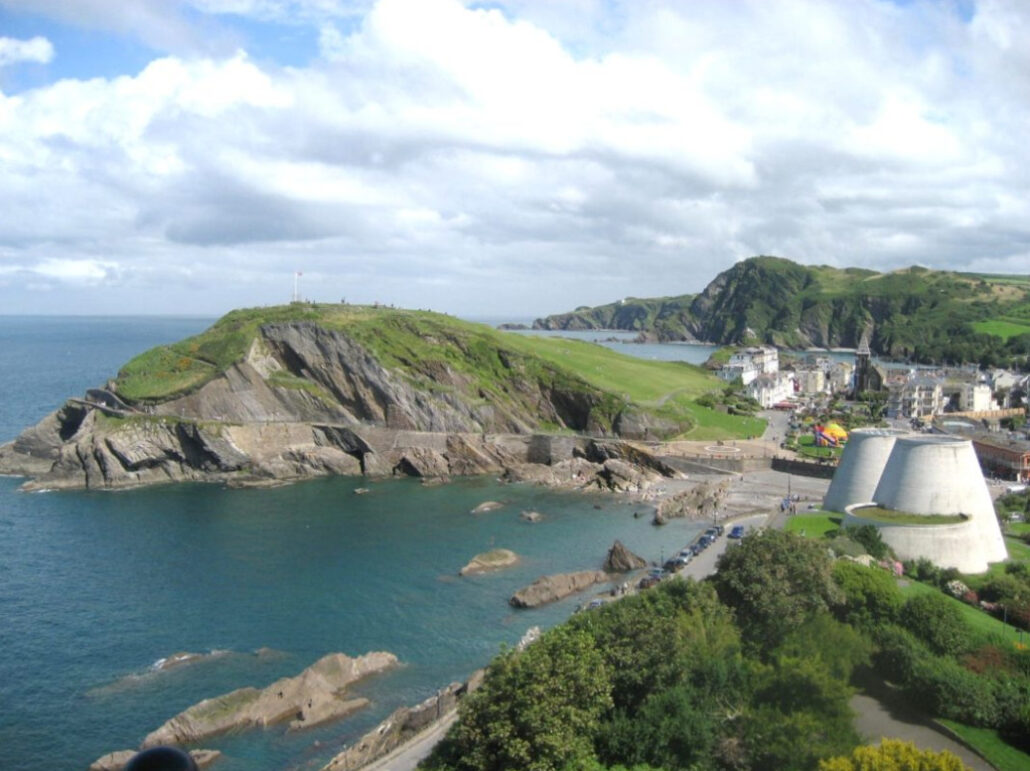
{"points": [[923, 475], [861, 465]]}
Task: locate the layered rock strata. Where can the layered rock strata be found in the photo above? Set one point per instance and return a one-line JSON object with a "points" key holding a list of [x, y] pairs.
{"points": [[553, 588], [316, 695]]}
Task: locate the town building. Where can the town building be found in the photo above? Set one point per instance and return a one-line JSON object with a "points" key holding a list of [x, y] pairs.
{"points": [[748, 363], [976, 397], [769, 390], [915, 397], [810, 380], [868, 376], [1005, 458]]}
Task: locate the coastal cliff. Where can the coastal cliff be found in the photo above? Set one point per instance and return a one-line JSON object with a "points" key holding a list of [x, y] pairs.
{"points": [[288, 393], [926, 315]]}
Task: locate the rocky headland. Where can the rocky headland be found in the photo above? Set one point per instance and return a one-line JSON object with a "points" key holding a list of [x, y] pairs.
{"points": [[272, 395], [316, 695]]}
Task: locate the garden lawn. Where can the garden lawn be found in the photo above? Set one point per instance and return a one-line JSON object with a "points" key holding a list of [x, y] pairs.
{"points": [[1018, 550], [813, 525], [1001, 755]]}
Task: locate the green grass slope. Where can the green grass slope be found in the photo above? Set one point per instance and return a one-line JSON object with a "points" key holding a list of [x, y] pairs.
{"points": [[418, 344]]}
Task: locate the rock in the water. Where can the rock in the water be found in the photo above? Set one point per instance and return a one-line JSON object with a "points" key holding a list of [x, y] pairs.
{"points": [[531, 516], [699, 502], [621, 560], [495, 559], [116, 761], [551, 588], [314, 696], [486, 506]]}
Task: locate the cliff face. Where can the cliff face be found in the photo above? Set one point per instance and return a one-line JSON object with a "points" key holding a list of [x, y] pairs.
{"points": [[912, 312], [308, 400]]}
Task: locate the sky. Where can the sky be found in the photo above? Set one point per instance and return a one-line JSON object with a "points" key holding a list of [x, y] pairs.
{"points": [[503, 159]]}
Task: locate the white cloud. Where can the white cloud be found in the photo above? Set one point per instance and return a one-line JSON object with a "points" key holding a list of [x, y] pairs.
{"points": [[522, 164], [37, 49]]}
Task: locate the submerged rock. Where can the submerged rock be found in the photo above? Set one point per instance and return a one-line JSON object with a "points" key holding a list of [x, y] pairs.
{"points": [[551, 588], [621, 560], [314, 696], [495, 559], [486, 506], [531, 516]]}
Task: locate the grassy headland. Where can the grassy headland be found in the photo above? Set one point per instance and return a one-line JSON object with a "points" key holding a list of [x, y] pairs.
{"points": [[419, 345]]}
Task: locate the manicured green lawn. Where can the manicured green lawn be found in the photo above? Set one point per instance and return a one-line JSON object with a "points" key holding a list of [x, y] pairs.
{"points": [[1018, 550], [986, 741], [813, 525]]}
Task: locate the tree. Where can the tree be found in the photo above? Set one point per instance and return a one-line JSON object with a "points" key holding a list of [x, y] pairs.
{"points": [[894, 755], [775, 581], [538, 709]]}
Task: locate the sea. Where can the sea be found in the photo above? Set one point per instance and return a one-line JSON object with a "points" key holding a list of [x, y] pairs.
{"points": [[97, 587]]}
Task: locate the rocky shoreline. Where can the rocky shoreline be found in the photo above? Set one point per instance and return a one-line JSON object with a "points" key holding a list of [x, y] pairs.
{"points": [[81, 446]]}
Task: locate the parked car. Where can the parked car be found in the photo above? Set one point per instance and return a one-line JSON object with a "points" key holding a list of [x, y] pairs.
{"points": [[686, 554], [737, 531], [647, 582]]}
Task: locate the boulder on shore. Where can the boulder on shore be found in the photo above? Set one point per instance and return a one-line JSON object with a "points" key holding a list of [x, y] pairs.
{"points": [[622, 560], [495, 559], [551, 588], [314, 696]]}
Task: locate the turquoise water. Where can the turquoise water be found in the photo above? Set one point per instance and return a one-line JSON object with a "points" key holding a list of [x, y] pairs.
{"points": [[95, 587]]}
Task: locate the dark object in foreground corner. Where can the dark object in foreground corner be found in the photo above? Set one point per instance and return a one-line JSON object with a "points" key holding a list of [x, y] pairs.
{"points": [[162, 759]]}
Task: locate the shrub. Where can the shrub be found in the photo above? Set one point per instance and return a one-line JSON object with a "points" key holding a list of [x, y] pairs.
{"points": [[938, 622], [869, 537], [870, 594], [951, 691], [894, 754], [898, 654]]}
